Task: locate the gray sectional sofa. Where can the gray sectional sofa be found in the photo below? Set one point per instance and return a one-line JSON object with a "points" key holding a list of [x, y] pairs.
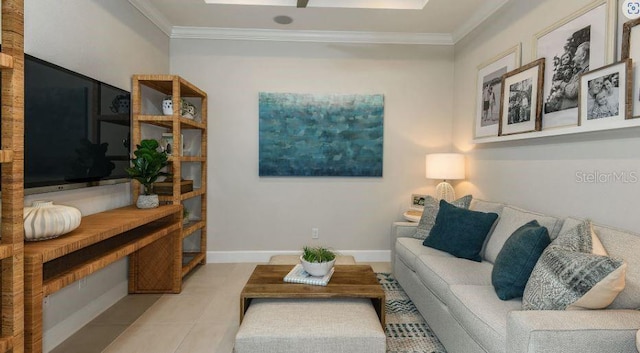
{"points": [[459, 303]]}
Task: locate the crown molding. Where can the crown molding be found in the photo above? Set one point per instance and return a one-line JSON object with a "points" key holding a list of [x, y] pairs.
{"points": [[312, 36], [488, 9], [354, 4], [151, 12], [157, 18]]}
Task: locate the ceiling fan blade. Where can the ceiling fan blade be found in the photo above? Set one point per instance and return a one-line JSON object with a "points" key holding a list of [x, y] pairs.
{"points": [[302, 3]]}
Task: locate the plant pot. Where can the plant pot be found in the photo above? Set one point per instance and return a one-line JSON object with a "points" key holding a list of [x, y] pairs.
{"points": [[317, 269], [148, 201], [44, 220]]}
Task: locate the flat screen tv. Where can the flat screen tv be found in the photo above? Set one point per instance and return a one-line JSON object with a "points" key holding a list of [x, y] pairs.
{"points": [[77, 129]]}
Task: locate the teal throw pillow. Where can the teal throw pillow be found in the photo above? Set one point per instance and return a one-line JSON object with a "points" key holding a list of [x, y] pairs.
{"points": [[430, 212], [459, 231], [517, 258]]}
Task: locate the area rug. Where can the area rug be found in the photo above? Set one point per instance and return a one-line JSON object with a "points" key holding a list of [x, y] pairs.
{"points": [[406, 329]]}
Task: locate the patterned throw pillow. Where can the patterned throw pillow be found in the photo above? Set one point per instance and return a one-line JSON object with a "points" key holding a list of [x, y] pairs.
{"points": [[569, 275], [430, 212]]}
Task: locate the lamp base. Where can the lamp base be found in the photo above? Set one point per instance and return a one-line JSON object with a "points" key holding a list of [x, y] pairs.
{"points": [[444, 191]]}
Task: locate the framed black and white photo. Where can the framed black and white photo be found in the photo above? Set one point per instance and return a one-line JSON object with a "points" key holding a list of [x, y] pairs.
{"points": [[488, 90], [521, 109], [631, 50], [604, 95], [417, 201], [578, 43]]}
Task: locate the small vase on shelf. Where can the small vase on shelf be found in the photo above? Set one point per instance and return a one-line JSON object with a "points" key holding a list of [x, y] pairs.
{"points": [[167, 106]]}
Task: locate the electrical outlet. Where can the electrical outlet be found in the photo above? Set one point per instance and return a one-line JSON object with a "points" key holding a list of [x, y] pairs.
{"points": [[315, 233], [82, 283], [45, 301]]}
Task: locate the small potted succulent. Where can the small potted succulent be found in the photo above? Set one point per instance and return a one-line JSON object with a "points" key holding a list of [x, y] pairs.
{"points": [[147, 167], [317, 261]]}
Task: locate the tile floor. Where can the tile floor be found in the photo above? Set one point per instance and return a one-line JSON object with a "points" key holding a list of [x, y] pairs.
{"points": [[203, 318]]}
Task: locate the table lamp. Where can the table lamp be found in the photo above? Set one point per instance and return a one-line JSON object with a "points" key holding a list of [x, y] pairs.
{"points": [[445, 166]]}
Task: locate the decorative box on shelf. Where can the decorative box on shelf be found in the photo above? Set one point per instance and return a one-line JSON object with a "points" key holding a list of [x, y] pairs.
{"points": [[166, 187]]}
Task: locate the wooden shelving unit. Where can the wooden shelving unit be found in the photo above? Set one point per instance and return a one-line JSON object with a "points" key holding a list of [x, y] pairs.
{"points": [[12, 177], [176, 87]]}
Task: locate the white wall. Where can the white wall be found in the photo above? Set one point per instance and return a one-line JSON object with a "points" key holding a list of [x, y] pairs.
{"points": [[247, 213], [541, 174], [108, 40]]}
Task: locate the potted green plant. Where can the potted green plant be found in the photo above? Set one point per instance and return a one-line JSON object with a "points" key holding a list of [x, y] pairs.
{"points": [[317, 261], [147, 167]]}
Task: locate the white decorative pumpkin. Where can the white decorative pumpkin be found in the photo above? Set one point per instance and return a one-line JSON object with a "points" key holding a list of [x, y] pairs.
{"points": [[44, 220]]}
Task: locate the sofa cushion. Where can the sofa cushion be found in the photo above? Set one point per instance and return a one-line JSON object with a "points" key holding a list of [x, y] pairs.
{"points": [[408, 250], [482, 314], [439, 272], [517, 258], [430, 212], [511, 219], [459, 231], [486, 206], [623, 245], [568, 272]]}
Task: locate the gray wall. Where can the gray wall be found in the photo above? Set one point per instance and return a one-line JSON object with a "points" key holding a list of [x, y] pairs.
{"points": [[108, 40], [248, 214], [541, 174]]}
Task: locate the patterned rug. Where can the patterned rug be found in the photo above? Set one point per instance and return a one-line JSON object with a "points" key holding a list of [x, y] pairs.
{"points": [[406, 330]]}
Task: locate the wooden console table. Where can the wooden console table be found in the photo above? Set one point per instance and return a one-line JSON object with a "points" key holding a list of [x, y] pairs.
{"points": [[151, 237]]}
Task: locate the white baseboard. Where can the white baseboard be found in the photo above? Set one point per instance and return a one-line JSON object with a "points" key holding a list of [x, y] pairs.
{"points": [[63, 330], [264, 256]]}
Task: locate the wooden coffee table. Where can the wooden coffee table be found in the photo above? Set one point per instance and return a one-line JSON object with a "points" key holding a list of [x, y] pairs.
{"points": [[348, 281]]}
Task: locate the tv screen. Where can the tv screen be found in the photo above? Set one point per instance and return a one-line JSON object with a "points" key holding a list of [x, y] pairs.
{"points": [[77, 129]]}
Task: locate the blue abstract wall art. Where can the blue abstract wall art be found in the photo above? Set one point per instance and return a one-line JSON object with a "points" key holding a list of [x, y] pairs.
{"points": [[321, 135]]}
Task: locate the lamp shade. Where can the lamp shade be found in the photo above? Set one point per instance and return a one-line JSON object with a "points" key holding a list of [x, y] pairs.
{"points": [[445, 166]]}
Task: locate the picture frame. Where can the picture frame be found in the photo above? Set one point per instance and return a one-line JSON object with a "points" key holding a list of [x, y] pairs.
{"points": [[572, 46], [417, 201], [632, 8], [621, 19], [166, 143], [631, 50], [605, 95], [521, 96], [488, 88]]}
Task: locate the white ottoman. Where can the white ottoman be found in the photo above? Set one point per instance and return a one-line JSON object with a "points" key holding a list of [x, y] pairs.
{"points": [[310, 326]]}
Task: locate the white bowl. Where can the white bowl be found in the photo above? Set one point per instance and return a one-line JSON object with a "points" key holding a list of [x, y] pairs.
{"points": [[317, 269]]}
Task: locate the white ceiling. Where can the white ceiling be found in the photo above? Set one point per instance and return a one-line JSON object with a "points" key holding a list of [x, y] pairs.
{"points": [[439, 22]]}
